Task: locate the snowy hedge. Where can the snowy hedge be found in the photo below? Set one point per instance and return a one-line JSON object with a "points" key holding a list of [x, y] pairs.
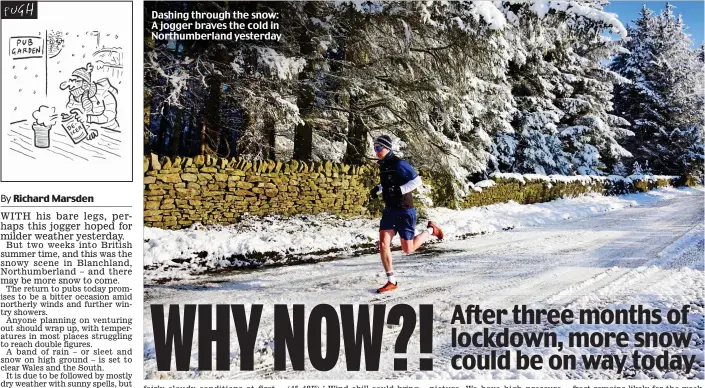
{"points": [[532, 188]]}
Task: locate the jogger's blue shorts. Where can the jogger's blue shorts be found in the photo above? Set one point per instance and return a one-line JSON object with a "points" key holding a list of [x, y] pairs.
{"points": [[403, 221]]}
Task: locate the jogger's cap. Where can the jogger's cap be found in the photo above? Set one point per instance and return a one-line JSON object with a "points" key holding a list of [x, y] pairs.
{"points": [[384, 141]]}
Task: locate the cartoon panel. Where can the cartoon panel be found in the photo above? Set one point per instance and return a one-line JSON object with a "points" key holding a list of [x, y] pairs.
{"points": [[67, 94]]}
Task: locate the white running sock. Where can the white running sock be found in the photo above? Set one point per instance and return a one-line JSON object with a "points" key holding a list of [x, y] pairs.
{"points": [[391, 278], [430, 230]]}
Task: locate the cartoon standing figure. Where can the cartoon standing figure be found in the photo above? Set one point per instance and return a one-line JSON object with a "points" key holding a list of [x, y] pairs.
{"points": [[91, 102]]}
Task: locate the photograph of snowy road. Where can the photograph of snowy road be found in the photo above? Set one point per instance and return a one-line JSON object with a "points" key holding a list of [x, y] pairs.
{"points": [[592, 251]]}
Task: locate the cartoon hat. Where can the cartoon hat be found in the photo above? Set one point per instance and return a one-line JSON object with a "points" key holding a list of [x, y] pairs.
{"points": [[84, 73]]}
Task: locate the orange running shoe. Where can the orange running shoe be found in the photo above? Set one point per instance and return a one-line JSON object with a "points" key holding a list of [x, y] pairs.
{"points": [[387, 287], [437, 231]]}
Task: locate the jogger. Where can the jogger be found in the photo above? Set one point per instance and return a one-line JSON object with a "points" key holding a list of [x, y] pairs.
{"points": [[397, 181]]}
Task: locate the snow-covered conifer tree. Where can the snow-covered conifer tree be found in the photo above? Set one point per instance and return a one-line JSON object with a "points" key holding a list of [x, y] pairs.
{"points": [[663, 99], [561, 90]]}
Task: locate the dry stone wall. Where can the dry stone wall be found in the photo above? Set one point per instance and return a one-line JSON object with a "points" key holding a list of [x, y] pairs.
{"points": [[181, 191]]}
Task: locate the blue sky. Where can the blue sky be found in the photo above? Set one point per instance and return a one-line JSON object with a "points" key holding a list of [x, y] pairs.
{"points": [[693, 14]]}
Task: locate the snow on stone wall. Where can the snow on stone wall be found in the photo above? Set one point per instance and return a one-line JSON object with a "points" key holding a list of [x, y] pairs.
{"points": [[179, 192]]}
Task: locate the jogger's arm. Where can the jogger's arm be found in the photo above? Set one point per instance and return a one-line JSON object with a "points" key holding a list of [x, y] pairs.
{"points": [[412, 178], [411, 185]]}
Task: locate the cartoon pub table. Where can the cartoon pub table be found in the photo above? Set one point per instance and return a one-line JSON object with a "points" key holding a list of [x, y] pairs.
{"points": [[87, 125]]}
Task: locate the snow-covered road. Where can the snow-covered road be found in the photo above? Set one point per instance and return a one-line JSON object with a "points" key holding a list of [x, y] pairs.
{"points": [[650, 255]]}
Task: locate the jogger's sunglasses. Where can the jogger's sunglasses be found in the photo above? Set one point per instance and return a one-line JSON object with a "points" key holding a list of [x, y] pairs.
{"points": [[378, 148]]}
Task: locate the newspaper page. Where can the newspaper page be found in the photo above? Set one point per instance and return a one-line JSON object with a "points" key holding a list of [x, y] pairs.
{"points": [[70, 211], [352, 194]]}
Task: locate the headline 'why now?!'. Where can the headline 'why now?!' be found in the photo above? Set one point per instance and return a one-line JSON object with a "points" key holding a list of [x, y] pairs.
{"points": [[292, 332]]}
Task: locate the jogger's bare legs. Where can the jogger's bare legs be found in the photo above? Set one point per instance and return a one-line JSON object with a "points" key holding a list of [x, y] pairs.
{"points": [[385, 248], [409, 246]]}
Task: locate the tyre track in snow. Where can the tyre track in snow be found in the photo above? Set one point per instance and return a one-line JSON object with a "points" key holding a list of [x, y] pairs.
{"points": [[549, 266], [418, 294]]}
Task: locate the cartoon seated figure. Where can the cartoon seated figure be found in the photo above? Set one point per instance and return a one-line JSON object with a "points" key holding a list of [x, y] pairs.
{"points": [[94, 99]]}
